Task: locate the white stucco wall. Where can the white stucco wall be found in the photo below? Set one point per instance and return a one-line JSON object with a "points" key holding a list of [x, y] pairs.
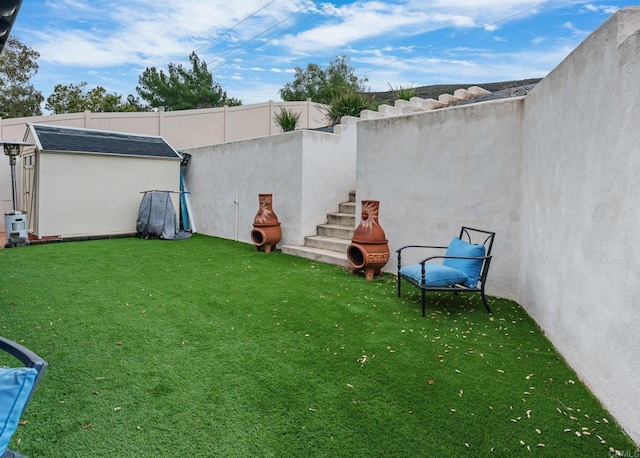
{"points": [[92, 195], [307, 172], [436, 171], [581, 207]]}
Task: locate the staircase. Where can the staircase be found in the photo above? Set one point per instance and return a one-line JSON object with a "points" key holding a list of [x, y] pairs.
{"points": [[332, 238]]}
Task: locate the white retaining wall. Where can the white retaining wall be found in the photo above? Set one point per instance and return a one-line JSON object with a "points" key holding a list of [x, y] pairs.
{"points": [[308, 173], [436, 171], [581, 209]]}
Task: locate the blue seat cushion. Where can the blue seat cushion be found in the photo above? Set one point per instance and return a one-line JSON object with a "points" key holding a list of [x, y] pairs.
{"points": [[471, 267], [15, 386], [435, 274]]}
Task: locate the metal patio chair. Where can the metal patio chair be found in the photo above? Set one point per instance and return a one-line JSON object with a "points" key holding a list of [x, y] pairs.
{"points": [[16, 389], [464, 266]]}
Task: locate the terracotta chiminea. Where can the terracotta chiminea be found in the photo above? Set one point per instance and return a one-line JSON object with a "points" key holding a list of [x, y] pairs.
{"points": [[266, 231], [369, 250]]}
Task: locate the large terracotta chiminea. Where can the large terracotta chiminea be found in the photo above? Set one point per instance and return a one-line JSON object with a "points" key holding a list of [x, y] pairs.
{"points": [[266, 231], [369, 250]]}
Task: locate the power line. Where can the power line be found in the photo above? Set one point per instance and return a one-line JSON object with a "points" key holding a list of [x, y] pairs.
{"points": [[231, 28], [261, 33], [275, 36], [225, 32], [539, 5]]}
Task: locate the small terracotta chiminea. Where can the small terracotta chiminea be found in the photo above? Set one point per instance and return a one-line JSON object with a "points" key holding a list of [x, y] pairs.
{"points": [[266, 231], [369, 250]]}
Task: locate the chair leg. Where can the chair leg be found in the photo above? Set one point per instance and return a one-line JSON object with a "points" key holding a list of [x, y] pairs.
{"points": [[399, 281], [423, 306], [484, 301]]}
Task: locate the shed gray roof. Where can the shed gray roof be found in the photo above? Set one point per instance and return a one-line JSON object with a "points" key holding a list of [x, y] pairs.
{"points": [[74, 140]]}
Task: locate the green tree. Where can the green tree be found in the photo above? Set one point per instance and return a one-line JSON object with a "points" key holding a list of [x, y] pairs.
{"points": [[183, 89], [74, 98], [18, 97], [322, 86]]}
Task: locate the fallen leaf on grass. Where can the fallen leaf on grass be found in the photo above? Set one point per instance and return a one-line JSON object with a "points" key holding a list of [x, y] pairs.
{"points": [[116, 409], [23, 422], [87, 426]]}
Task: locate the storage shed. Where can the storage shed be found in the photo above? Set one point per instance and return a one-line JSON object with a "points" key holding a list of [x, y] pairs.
{"points": [[89, 183]]}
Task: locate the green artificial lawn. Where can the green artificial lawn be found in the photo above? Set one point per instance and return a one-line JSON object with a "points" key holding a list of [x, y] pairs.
{"points": [[204, 347]]}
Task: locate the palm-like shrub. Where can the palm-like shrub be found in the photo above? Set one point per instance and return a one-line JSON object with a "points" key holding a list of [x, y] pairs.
{"points": [[347, 104], [404, 92], [287, 120]]}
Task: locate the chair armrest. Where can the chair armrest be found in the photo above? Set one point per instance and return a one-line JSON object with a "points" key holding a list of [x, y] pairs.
{"points": [[27, 357], [400, 250], [420, 246], [478, 258]]}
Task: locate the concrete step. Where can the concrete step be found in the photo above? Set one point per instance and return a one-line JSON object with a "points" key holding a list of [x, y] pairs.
{"points": [[332, 239], [327, 243], [344, 219], [347, 207], [318, 254], [336, 230]]}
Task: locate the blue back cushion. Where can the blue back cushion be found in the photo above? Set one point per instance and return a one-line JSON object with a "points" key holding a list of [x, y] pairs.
{"points": [[435, 275], [471, 267], [15, 386]]}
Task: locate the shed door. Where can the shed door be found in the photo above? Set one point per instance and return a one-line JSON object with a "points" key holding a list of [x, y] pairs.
{"points": [[29, 188]]}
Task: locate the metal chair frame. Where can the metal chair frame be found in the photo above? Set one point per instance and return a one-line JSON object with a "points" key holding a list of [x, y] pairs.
{"points": [[465, 234], [28, 359]]}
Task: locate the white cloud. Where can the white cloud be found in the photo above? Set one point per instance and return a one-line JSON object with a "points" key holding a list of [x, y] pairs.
{"points": [[606, 9], [110, 42]]}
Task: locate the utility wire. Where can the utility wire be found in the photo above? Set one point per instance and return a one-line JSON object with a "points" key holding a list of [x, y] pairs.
{"points": [[508, 18], [230, 29], [262, 33], [273, 37], [224, 33]]}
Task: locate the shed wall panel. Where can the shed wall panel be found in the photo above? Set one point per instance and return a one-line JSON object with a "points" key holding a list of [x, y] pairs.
{"points": [[86, 195]]}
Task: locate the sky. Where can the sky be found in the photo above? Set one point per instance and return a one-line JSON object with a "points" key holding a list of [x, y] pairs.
{"points": [[253, 47]]}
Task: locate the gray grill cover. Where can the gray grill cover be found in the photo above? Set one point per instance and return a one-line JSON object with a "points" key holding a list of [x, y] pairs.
{"points": [[157, 217]]}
